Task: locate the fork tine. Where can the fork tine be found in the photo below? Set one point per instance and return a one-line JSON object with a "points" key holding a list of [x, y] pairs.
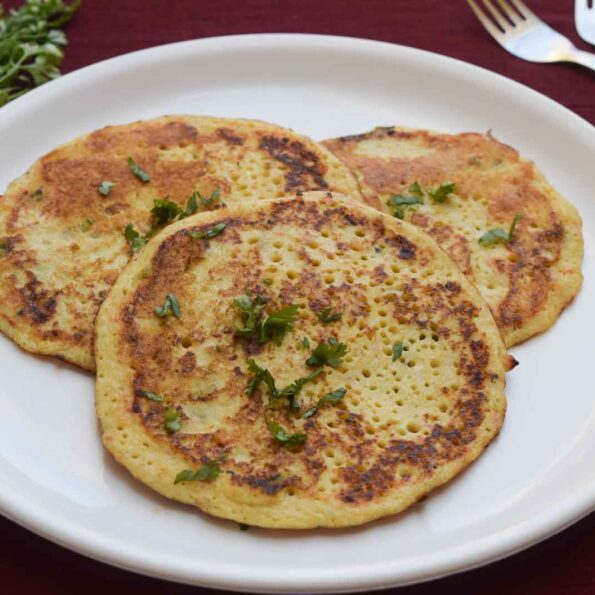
{"points": [[485, 21], [524, 9], [500, 21], [511, 14]]}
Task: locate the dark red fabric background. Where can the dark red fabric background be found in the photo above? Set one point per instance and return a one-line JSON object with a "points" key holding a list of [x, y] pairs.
{"points": [[564, 564]]}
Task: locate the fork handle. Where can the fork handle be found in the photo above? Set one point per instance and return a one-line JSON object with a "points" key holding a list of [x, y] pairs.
{"points": [[583, 58]]}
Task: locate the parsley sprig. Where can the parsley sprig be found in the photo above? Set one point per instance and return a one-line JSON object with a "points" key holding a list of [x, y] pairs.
{"points": [[31, 45], [499, 235]]}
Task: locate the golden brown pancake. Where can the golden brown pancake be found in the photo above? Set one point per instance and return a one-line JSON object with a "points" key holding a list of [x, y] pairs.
{"points": [[527, 279], [61, 224], [293, 363]]}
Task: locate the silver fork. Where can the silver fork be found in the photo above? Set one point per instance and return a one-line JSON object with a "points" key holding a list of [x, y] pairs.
{"points": [[584, 19], [525, 35]]}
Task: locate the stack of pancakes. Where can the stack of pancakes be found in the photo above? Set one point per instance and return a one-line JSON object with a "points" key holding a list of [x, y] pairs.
{"points": [[285, 333]]}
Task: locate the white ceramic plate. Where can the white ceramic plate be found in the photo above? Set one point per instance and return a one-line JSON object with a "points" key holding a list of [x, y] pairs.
{"points": [[538, 476]]}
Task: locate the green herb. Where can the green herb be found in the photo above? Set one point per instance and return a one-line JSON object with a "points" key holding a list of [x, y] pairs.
{"points": [[106, 187], [140, 173], [137, 241], [243, 526], [331, 398], [499, 235], [173, 423], [171, 307], [206, 472], [260, 375], [209, 233], [292, 390], [397, 350], [306, 343], [281, 435], [329, 314], [31, 45], [277, 324], [272, 328], [164, 211], [267, 281], [207, 202], [400, 202], [191, 207], [442, 192], [37, 194], [3, 248], [328, 354], [152, 396], [86, 225]]}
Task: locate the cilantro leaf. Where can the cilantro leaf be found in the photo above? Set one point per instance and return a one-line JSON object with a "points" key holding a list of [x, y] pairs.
{"points": [[397, 350], [499, 235], [207, 202], [329, 314], [86, 225], [171, 307], [31, 45], [280, 434], [136, 169], [276, 325], [207, 234], [105, 187], [206, 472], [272, 328], [293, 390], [173, 423], [191, 207], [137, 241], [306, 343], [442, 192], [152, 396], [164, 211], [328, 354], [400, 202], [331, 398], [260, 375]]}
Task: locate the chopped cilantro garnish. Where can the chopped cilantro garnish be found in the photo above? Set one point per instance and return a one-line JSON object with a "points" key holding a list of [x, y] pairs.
{"points": [[151, 396], [328, 354], [140, 173], [260, 375], [137, 241], [106, 187], [331, 398], [280, 434], [207, 202], [442, 192], [292, 390], [400, 202], [397, 350], [267, 281], [164, 211], [171, 307], [207, 234], [86, 225], [306, 343], [499, 235], [271, 328], [206, 472], [173, 423], [329, 314]]}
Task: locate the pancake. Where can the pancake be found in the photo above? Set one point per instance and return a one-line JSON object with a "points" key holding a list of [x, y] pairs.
{"points": [[300, 362], [62, 223], [527, 279]]}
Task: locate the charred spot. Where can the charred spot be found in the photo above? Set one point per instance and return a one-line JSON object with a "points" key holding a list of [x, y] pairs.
{"points": [[229, 137], [452, 287], [188, 362], [40, 304], [269, 484], [406, 249], [306, 172]]}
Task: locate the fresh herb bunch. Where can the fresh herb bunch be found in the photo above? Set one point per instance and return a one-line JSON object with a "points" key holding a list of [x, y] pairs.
{"points": [[31, 45]]}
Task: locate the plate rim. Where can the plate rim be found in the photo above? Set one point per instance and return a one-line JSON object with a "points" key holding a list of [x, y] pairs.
{"points": [[421, 568]]}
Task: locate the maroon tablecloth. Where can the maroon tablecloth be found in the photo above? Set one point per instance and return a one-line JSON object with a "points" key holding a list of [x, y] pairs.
{"points": [[564, 564]]}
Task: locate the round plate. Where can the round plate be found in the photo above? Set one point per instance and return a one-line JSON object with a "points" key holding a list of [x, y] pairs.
{"points": [[535, 479]]}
